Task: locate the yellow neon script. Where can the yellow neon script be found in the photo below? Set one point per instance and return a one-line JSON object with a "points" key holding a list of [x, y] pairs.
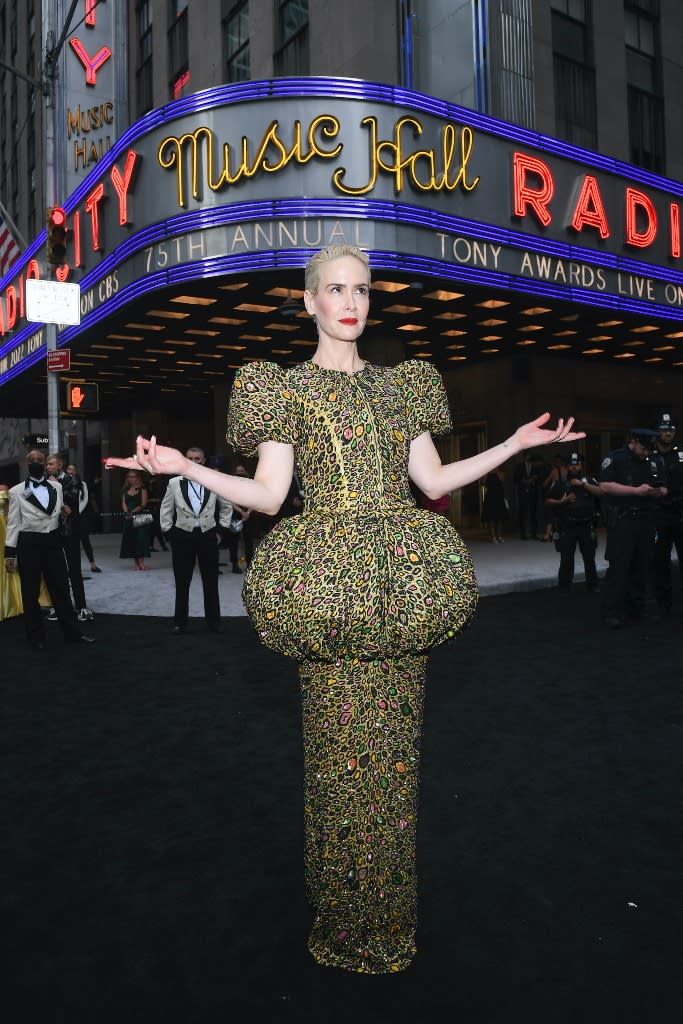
{"points": [[270, 156], [444, 168], [391, 157]]}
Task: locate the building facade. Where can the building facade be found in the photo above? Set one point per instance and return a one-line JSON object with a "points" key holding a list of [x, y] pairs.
{"points": [[512, 167]]}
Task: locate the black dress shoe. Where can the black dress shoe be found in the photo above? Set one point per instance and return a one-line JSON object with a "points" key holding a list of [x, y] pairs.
{"points": [[82, 639], [177, 630]]}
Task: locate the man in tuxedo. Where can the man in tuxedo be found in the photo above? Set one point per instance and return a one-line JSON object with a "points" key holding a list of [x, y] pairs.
{"points": [[70, 534], [32, 545], [189, 513]]}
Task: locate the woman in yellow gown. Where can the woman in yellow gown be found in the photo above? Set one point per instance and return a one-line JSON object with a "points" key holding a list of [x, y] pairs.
{"points": [[358, 589]]}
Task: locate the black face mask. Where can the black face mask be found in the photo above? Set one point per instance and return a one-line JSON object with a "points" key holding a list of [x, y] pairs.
{"points": [[36, 470]]}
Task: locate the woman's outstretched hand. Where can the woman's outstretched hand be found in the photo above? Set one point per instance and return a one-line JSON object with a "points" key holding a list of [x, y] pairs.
{"points": [[153, 458], [530, 435]]}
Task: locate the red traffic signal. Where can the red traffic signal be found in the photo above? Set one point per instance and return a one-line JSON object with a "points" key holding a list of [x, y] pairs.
{"points": [[56, 235], [82, 397]]}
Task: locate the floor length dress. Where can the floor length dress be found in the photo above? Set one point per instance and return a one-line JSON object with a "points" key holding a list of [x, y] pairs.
{"points": [[357, 589], [134, 539]]}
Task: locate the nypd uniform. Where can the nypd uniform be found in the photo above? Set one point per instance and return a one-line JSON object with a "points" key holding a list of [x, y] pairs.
{"points": [[668, 517], [630, 520], [575, 520]]}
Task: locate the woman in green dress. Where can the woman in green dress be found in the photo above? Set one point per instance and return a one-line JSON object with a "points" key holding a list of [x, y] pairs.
{"points": [[134, 539], [358, 589]]}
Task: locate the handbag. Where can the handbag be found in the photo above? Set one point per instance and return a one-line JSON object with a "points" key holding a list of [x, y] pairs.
{"points": [[236, 523], [142, 519]]}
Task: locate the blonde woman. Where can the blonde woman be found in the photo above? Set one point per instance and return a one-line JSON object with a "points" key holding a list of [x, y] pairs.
{"points": [[357, 588]]}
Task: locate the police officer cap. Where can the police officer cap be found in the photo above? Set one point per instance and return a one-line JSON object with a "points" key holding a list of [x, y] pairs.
{"points": [[666, 422], [574, 459], [644, 435]]}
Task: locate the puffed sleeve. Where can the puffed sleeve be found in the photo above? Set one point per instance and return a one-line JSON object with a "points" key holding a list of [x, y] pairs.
{"points": [[260, 408], [425, 397]]}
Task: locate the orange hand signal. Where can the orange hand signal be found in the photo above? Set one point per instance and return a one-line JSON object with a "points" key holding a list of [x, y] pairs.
{"points": [[77, 397]]}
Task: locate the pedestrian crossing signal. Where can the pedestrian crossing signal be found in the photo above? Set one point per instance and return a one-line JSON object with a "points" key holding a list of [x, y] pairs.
{"points": [[82, 397], [56, 235]]}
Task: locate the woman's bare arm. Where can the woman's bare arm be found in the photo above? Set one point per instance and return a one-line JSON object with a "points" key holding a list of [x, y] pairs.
{"points": [[264, 493], [434, 479]]}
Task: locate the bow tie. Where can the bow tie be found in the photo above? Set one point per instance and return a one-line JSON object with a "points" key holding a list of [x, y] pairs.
{"points": [[38, 483]]}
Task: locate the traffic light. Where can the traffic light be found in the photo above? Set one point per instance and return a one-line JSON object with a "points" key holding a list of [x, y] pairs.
{"points": [[82, 397], [56, 235]]}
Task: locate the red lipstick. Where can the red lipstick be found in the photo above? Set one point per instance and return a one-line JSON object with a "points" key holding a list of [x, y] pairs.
{"points": [[351, 320]]}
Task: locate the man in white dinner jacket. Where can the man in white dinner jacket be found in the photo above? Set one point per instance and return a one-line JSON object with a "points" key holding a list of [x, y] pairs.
{"points": [[32, 545], [188, 518]]}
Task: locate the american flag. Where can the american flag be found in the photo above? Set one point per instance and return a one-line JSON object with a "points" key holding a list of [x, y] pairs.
{"points": [[9, 249]]}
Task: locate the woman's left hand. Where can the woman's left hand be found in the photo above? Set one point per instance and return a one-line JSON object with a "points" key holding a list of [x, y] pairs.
{"points": [[530, 435]]}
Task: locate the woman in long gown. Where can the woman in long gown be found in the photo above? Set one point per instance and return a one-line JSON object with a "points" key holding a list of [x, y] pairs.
{"points": [[134, 539], [358, 589]]}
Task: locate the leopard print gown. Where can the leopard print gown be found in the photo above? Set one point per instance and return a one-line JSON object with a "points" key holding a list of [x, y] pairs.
{"points": [[357, 589]]}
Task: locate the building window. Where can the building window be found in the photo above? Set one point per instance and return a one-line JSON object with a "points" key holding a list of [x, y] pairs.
{"points": [[573, 73], [291, 41], [236, 43], [144, 92], [645, 106], [178, 53]]}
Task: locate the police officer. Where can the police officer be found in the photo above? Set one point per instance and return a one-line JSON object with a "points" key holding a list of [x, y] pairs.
{"points": [[668, 514], [573, 501], [631, 481]]}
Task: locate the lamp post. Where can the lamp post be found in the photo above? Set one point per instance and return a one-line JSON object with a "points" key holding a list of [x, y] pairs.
{"points": [[51, 56]]}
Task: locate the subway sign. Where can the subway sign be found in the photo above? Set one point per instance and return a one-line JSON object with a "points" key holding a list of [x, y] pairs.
{"points": [[253, 176]]}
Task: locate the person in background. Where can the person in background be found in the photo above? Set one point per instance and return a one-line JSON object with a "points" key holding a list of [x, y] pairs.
{"points": [[574, 502], [668, 515], [10, 588], [526, 482], [134, 539], [247, 531], [495, 510], [69, 535], [358, 588], [83, 525], [156, 488], [32, 545], [631, 481], [188, 518]]}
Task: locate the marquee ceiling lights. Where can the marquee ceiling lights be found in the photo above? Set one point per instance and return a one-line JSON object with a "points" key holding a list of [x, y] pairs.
{"points": [[441, 295], [388, 286], [254, 307], [167, 314], [194, 300], [227, 320], [402, 309], [536, 310], [491, 323]]}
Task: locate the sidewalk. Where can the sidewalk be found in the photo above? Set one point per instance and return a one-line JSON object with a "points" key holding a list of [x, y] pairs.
{"points": [[118, 590]]}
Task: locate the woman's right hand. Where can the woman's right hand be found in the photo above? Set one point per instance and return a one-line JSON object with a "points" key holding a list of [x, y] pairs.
{"points": [[153, 458]]}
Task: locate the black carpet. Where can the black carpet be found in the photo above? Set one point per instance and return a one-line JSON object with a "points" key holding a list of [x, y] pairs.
{"points": [[152, 858]]}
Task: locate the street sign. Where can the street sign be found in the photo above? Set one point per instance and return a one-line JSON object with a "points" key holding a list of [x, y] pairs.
{"points": [[53, 302], [59, 359]]}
